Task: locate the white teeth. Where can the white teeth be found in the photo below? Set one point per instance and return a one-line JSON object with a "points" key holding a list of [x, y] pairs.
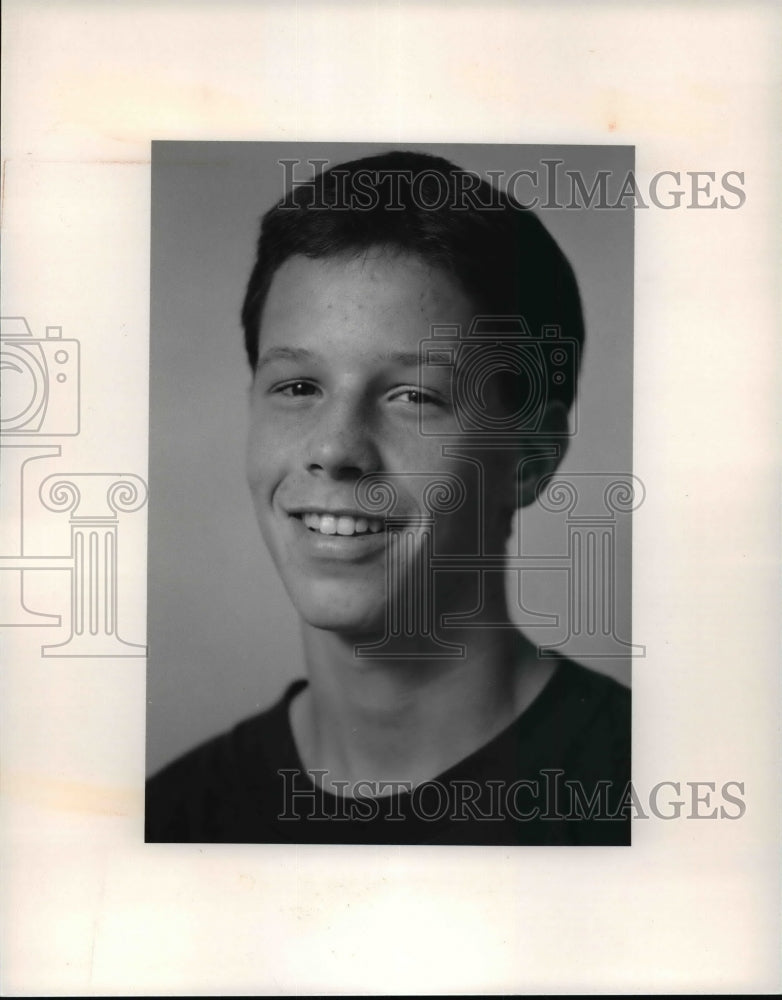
{"points": [[328, 524]]}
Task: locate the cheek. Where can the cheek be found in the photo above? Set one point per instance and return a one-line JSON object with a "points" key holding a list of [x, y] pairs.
{"points": [[408, 450], [262, 462]]}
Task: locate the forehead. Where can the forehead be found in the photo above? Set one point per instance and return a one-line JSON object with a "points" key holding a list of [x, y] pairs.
{"points": [[379, 299]]}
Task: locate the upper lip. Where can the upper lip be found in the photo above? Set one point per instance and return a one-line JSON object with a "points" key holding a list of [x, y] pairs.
{"points": [[333, 511]]}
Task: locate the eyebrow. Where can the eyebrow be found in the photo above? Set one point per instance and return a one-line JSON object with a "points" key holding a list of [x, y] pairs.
{"points": [[406, 359], [284, 354]]}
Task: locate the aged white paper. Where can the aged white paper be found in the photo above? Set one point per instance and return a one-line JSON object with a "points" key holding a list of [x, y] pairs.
{"points": [[692, 906]]}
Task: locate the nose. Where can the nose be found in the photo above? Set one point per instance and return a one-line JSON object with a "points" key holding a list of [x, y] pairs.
{"points": [[342, 444]]}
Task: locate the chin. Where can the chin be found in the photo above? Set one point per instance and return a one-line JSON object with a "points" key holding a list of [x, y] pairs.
{"points": [[343, 612]]}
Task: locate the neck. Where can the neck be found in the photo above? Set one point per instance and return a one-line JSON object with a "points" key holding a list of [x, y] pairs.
{"points": [[405, 717]]}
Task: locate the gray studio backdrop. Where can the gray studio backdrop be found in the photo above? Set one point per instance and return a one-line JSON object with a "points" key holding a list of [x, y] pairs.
{"points": [[223, 636]]}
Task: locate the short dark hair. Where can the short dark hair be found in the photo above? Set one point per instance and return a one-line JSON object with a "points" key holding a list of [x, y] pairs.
{"points": [[499, 252]]}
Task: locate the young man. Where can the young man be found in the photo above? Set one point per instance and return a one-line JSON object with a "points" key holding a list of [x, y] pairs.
{"points": [[400, 414]]}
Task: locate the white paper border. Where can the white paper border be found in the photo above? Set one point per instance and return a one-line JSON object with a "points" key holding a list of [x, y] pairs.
{"points": [[693, 905]]}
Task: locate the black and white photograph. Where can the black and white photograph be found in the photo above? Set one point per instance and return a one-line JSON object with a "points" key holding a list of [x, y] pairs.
{"points": [[389, 498], [419, 362]]}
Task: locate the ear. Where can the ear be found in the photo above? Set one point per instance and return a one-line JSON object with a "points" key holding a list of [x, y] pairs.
{"points": [[543, 457]]}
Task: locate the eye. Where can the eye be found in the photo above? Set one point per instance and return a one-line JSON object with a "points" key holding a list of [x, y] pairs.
{"points": [[295, 390], [417, 397]]}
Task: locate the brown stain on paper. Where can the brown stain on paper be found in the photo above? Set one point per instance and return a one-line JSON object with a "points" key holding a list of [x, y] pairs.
{"points": [[63, 795]]}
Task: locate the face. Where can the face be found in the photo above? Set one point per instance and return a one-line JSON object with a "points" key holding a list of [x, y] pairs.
{"points": [[339, 394]]}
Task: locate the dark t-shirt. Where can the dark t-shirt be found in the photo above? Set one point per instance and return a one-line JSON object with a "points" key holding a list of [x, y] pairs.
{"points": [[559, 774]]}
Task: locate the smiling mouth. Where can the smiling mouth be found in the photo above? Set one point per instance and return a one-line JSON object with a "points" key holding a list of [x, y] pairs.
{"points": [[344, 525]]}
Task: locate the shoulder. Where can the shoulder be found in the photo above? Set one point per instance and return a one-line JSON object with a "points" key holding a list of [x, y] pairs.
{"points": [[595, 718], [581, 722], [585, 739], [199, 796], [596, 705], [589, 689]]}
